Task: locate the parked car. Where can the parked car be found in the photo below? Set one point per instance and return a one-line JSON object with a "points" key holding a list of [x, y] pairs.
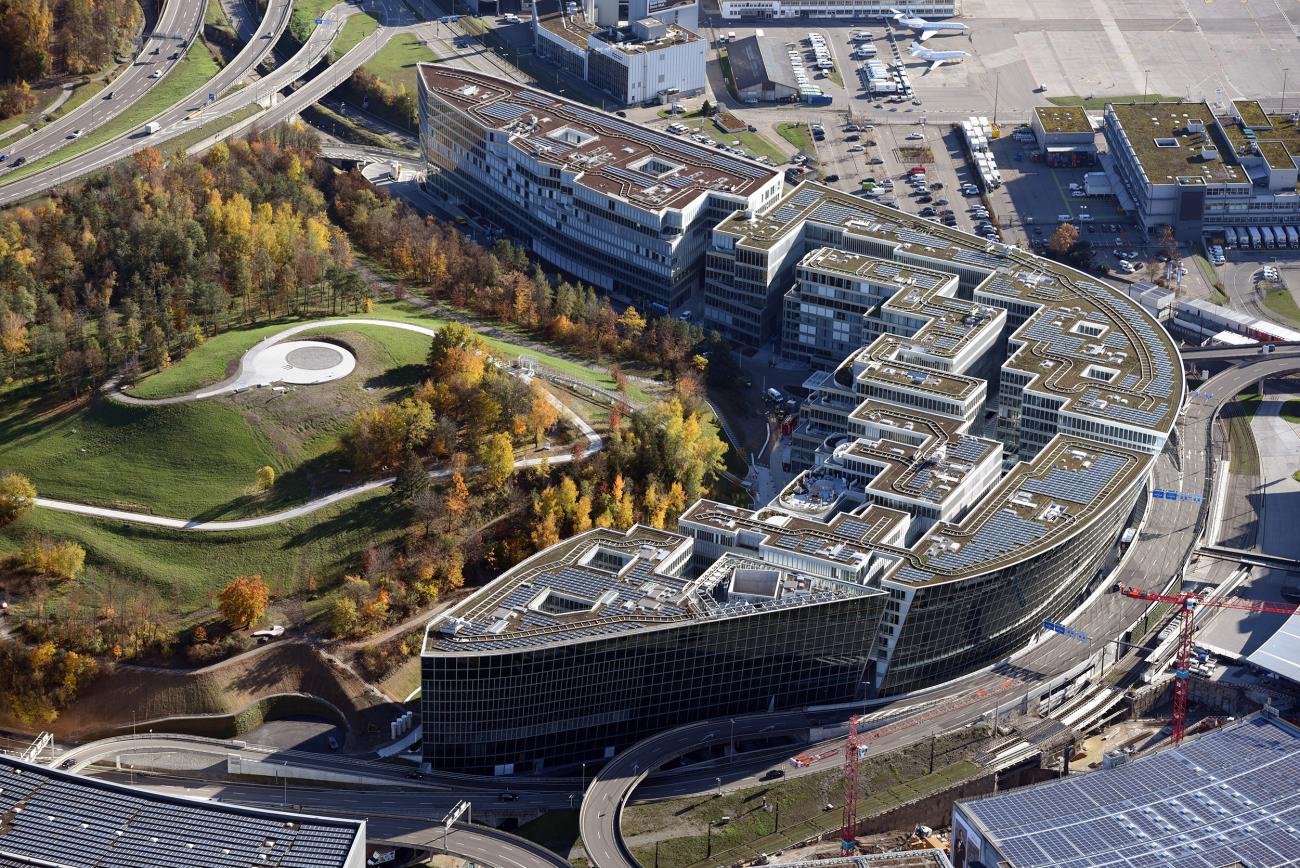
{"points": [[831, 179]]}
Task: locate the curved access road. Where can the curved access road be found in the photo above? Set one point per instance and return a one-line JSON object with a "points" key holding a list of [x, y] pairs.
{"points": [[409, 815], [179, 22], [1158, 555], [244, 379]]}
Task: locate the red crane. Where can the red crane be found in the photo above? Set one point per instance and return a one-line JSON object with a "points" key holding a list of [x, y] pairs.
{"points": [[849, 831], [1187, 602]]}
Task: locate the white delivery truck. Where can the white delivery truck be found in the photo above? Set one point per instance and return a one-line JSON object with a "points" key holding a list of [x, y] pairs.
{"points": [[150, 128]]}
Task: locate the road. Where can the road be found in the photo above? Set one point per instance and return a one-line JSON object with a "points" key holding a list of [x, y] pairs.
{"points": [[180, 22], [194, 110], [243, 380], [1155, 558]]}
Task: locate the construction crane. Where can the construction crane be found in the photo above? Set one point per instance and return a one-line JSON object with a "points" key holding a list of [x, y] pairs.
{"points": [[855, 748], [1187, 603], [849, 831]]}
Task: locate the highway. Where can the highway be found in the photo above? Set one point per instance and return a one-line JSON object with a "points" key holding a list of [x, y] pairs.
{"points": [[180, 22], [193, 110], [1156, 558]]}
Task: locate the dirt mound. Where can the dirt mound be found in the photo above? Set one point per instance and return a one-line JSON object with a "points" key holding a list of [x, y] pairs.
{"points": [[281, 667]]}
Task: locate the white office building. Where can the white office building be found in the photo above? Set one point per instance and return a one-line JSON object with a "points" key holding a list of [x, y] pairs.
{"points": [[615, 204]]}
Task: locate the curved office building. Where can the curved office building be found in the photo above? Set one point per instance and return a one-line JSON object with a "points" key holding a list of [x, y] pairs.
{"points": [[980, 426]]}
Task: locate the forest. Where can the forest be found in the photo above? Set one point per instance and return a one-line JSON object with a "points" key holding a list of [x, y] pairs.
{"points": [[42, 38]]}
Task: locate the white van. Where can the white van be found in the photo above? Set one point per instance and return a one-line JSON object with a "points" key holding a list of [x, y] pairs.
{"points": [[774, 394]]}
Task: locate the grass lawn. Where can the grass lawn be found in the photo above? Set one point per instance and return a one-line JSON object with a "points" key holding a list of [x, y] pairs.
{"points": [[185, 76], [1099, 102], [752, 828], [207, 363], [684, 116], [80, 94], [198, 459], [796, 134], [1243, 453], [755, 144], [355, 29], [215, 16], [725, 62], [44, 97], [211, 128], [1281, 302], [835, 76], [188, 568], [303, 18], [395, 62]]}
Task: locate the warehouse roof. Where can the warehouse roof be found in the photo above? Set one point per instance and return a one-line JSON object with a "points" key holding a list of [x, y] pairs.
{"points": [[755, 63], [70, 820], [1222, 798]]}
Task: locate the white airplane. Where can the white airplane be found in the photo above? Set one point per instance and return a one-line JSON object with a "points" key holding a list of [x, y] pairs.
{"points": [[926, 29], [937, 58]]}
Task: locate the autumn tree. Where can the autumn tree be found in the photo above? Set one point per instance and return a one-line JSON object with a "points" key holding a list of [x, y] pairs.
{"points": [[17, 497], [47, 557], [343, 617], [457, 498], [496, 456], [542, 412], [265, 478], [243, 600], [13, 337], [1063, 240]]}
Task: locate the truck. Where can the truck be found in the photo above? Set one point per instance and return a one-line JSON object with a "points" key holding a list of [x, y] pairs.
{"points": [[150, 128], [1229, 237], [816, 98], [1292, 236], [1267, 235], [1256, 240]]}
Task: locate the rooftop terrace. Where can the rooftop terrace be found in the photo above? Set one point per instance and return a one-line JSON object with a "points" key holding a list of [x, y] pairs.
{"points": [[606, 582], [616, 158], [1275, 137], [1142, 356]]}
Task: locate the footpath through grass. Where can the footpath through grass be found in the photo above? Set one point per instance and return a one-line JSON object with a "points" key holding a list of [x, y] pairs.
{"points": [[187, 569], [206, 364], [185, 77]]}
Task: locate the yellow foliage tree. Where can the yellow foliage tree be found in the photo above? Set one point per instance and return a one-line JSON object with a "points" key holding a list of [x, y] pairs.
{"points": [[243, 600]]}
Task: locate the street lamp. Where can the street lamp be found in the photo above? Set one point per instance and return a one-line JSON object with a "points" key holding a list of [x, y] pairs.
{"points": [[733, 740], [1146, 75], [1285, 70], [719, 781]]}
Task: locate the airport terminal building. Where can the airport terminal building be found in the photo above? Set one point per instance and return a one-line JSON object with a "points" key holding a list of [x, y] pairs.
{"points": [[979, 430], [1231, 177], [619, 206]]}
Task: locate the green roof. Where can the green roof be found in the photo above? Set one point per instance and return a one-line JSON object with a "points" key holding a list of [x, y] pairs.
{"points": [[1168, 150], [1063, 119]]}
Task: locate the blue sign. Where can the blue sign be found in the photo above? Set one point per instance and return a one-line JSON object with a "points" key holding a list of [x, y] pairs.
{"points": [[1066, 631], [324, 20], [1158, 493], [212, 97]]}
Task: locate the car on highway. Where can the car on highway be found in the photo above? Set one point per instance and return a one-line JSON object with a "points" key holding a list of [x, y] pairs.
{"points": [[416, 775], [68, 763], [108, 95], [266, 35], [18, 162], [507, 797], [75, 134], [157, 73], [772, 775], [3, 157]]}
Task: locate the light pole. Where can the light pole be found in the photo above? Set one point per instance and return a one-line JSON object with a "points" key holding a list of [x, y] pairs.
{"points": [[733, 740], [1146, 75], [719, 782], [584, 779], [1285, 70]]}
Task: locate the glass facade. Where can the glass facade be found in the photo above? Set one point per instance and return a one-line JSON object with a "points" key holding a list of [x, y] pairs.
{"points": [[560, 704]]}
